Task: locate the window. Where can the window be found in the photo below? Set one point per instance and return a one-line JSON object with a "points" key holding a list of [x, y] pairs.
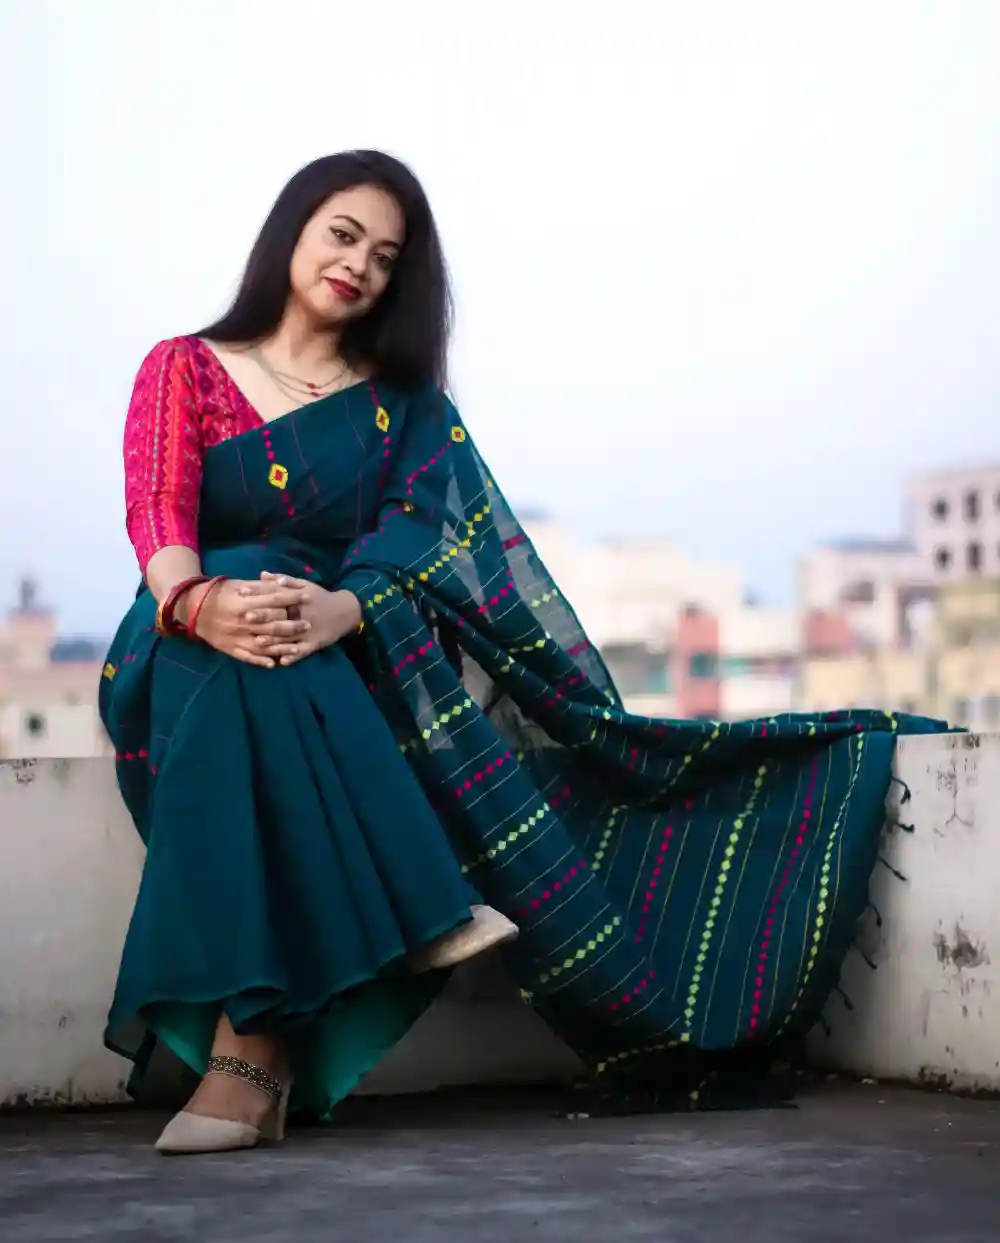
{"points": [[939, 509], [974, 557], [34, 725], [704, 665], [971, 506], [860, 592], [637, 671], [942, 558], [991, 710], [960, 711]]}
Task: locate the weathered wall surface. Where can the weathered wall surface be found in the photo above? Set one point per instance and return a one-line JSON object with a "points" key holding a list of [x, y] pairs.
{"points": [[70, 862]]}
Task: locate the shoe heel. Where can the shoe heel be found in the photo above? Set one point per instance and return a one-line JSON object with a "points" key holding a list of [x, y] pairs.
{"points": [[273, 1127]]}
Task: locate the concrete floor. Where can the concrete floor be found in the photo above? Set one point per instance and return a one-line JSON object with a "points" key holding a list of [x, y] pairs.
{"points": [[864, 1164]]}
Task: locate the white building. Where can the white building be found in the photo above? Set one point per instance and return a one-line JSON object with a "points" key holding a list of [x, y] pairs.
{"points": [[48, 691], [954, 520]]}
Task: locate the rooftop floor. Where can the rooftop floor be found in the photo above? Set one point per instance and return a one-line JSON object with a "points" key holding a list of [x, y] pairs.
{"points": [[858, 1163]]}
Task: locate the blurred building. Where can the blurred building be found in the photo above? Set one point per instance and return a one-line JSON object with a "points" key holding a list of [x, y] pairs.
{"points": [[679, 636], [915, 624], [48, 688], [954, 522]]}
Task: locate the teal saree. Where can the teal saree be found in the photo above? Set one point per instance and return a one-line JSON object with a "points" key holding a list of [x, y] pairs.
{"points": [[686, 891]]}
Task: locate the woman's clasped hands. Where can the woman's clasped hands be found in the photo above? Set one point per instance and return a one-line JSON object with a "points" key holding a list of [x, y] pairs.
{"points": [[278, 620]]}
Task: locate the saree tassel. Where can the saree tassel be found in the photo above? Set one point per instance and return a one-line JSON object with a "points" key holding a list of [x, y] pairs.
{"points": [[907, 792], [869, 962], [877, 913], [885, 863], [827, 1029], [848, 1004]]}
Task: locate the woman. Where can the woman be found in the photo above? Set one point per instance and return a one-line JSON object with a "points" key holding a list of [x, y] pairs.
{"points": [[351, 710]]}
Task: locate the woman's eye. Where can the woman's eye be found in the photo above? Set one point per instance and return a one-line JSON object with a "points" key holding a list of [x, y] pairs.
{"points": [[384, 261], [342, 236]]}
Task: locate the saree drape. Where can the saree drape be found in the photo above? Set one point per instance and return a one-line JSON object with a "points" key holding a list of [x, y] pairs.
{"points": [[686, 890]]}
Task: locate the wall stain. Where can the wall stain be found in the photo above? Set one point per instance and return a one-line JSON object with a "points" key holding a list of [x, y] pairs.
{"points": [[23, 770], [962, 953]]}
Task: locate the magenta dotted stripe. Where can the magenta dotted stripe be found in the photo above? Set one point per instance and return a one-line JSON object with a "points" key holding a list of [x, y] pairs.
{"points": [[480, 775], [286, 499], [581, 866], [493, 601], [411, 658], [636, 993], [421, 470], [655, 877], [772, 910]]}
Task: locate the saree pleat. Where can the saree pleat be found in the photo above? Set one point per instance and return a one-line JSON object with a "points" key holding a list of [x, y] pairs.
{"points": [[686, 890]]}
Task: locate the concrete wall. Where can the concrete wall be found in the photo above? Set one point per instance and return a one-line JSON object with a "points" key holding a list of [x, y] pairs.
{"points": [[69, 863], [931, 1011]]}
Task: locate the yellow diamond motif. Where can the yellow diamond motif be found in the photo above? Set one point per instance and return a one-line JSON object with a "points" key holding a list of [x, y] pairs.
{"points": [[458, 434], [277, 476], [382, 419]]}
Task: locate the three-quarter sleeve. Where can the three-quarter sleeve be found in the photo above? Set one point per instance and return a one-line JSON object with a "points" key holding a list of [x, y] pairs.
{"points": [[163, 454]]}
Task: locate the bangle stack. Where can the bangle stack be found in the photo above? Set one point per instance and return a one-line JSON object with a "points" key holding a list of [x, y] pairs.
{"points": [[167, 624]]}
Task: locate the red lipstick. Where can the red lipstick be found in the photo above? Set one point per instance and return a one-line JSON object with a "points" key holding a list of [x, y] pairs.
{"points": [[350, 293]]}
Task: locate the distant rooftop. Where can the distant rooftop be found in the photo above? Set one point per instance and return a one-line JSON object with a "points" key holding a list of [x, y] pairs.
{"points": [[888, 547]]}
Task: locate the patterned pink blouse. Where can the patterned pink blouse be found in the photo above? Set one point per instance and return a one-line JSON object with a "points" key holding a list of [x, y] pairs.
{"points": [[184, 400]]}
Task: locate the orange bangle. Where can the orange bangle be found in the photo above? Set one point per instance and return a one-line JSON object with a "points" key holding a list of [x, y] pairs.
{"points": [[166, 622], [196, 611]]}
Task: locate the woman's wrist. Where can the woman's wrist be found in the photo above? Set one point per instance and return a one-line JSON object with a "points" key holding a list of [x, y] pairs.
{"points": [[357, 612]]}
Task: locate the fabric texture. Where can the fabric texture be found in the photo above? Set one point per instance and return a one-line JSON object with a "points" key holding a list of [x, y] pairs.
{"points": [[686, 891]]}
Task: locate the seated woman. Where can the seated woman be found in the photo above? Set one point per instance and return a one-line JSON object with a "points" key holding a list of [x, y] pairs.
{"points": [[364, 737]]}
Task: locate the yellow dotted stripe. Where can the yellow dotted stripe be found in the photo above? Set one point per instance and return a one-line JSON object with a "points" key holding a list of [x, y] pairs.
{"points": [[439, 564], [530, 647], [721, 880], [546, 598], [627, 1054], [706, 744], [602, 847], [525, 826], [583, 952], [819, 923], [445, 717]]}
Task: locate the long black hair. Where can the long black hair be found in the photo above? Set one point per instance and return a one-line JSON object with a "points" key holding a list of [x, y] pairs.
{"points": [[404, 338]]}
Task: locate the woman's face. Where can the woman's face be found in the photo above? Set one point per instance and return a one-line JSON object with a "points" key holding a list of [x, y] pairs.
{"points": [[345, 256]]}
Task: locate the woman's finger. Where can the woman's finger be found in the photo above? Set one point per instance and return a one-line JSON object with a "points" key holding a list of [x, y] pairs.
{"points": [[293, 658], [265, 615], [252, 658], [275, 598], [277, 649], [284, 579], [280, 629]]}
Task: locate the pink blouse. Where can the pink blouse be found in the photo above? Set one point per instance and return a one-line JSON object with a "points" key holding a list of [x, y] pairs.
{"points": [[183, 401]]}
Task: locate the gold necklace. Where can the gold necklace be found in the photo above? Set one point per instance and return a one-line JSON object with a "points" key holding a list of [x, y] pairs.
{"points": [[293, 386]]}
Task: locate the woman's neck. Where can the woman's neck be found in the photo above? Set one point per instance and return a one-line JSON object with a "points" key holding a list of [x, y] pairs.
{"points": [[299, 344]]}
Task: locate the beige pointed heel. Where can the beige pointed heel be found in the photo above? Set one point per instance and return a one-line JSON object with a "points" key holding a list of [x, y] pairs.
{"points": [[487, 930], [189, 1133]]}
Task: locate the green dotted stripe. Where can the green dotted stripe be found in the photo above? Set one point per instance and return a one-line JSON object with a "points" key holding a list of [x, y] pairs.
{"points": [[721, 880], [445, 717], [525, 826], [822, 903], [579, 955], [602, 846]]}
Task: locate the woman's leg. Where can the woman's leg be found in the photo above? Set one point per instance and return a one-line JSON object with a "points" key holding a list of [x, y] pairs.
{"points": [[223, 1096]]}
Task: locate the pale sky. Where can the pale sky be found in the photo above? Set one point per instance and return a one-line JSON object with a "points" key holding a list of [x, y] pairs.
{"points": [[725, 272]]}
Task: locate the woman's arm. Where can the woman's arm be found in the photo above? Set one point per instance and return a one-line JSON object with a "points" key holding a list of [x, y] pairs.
{"points": [[163, 455]]}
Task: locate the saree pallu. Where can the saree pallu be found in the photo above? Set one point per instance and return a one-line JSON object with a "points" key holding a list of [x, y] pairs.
{"points": [[686, 890]]}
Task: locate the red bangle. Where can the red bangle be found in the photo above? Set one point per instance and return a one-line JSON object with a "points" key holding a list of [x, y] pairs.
{"points": [[196, 611], [166, 622]]}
